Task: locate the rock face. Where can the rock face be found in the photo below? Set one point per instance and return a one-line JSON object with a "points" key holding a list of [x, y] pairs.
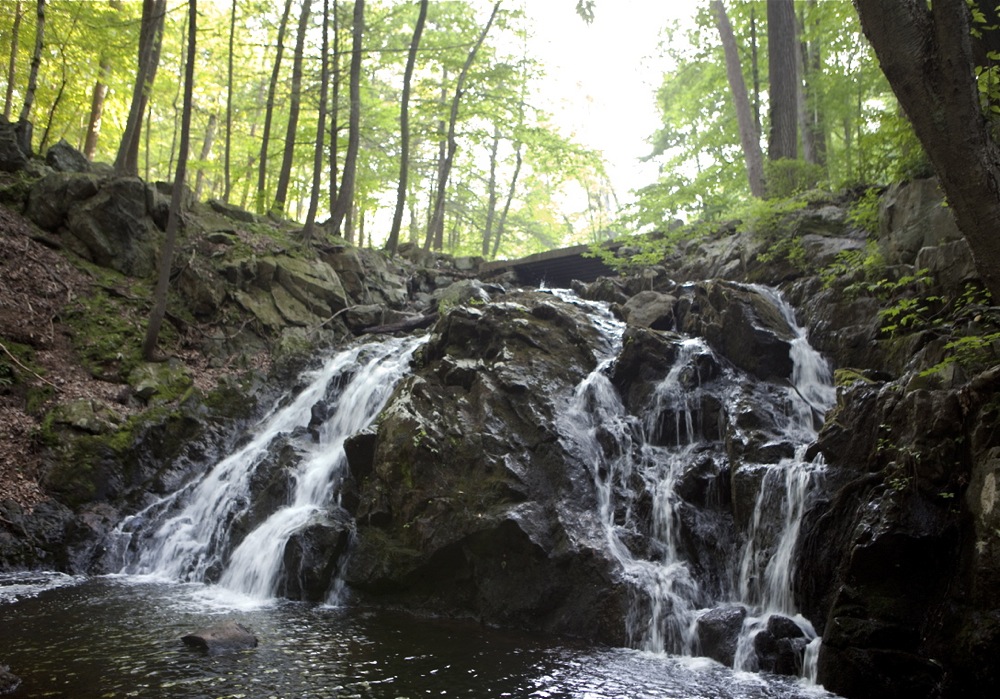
{"points": [[466, 503]]}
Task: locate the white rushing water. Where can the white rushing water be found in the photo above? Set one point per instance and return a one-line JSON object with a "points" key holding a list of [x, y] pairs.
{"points": [[193, 533], [652, 454]]}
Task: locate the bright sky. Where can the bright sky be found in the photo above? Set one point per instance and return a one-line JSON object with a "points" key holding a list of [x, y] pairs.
{"points": [[603, 76]]}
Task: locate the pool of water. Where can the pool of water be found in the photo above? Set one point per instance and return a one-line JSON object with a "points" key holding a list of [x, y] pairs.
{"points": [[120, 637]]}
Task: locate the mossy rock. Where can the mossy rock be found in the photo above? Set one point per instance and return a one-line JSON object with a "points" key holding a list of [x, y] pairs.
{"points": [[160, 381]]}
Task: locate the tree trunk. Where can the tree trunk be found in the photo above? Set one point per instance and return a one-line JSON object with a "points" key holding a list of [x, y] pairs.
{"points": [[812, 64], [404, 130], [97, 109], [502, 223], [335, 106], [36, 61], [307, 232], [227, 157], [15, 33], [173, 218], [755, 68], [269, 110], [437, 221], [345, 197], [150, 38], [285, 175], [927, 56], [491, 193], [782, 67], [206, 150], [749, 135]]}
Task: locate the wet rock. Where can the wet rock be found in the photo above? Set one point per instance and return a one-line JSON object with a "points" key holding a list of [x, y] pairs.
{"points": [[228, 637], [311, 557], [605, 289], [719, 631], [650, 309], [741, 324], [779, 647], [8, 680], [62, 157]]}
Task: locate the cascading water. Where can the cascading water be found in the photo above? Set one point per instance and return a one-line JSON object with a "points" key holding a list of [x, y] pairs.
{"points": [[639, 467], [192, 535]]}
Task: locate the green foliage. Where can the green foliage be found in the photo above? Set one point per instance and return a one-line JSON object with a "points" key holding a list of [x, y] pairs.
{"points": [[865, 264], [788, 178], [863, 213]]}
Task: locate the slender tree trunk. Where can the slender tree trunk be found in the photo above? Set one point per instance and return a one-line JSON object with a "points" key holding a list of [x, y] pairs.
{"points": [[97, 109], [227, 157], [285, 174], [173, 219], [43, 144], [404, 129], [755, 68], [782, 67], [749, 135], [502, 223], [15, 32], [437, 222], [801, 103], [177, 109], [36, 61], [150, 37], [269, 110], [206, 150], [345, 196], [928, 58], [335, 107], [307, 232], [491, 193], [817, 126]]}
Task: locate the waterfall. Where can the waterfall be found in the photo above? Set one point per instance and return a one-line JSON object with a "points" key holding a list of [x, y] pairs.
{"points": [[192, 536], [638, 467]]}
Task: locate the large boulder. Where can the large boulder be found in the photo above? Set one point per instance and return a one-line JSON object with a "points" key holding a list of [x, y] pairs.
{"points": [[51, 197], [62, 157], [227, 637], [467, 503], [13, 155], [113, 229], [740, 323]]}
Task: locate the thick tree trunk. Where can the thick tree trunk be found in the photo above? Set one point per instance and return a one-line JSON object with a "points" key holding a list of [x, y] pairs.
{"points": [[269, 110], [782, 66], [927, 56], [150, 38], [436, 230], [285, 175], [173, 218], [307, 232], [15, 32], [345, 197], [36, 61], [749, 135], [404, 130]]}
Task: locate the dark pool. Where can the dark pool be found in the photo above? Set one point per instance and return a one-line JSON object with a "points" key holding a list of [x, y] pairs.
{"points": [[119, 637]]}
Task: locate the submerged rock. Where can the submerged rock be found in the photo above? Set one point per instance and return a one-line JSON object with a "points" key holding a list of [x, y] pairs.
{"points": [[227, 637], [8, 680]]}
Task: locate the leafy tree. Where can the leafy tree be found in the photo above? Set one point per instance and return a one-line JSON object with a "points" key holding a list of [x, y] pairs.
{"points": [[927, 54]]}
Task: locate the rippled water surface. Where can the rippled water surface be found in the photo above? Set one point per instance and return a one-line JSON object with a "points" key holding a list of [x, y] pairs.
{"points": [[119, 637]]}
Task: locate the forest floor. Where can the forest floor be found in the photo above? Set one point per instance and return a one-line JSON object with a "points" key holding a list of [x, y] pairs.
{"points": [[39, 362]]}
